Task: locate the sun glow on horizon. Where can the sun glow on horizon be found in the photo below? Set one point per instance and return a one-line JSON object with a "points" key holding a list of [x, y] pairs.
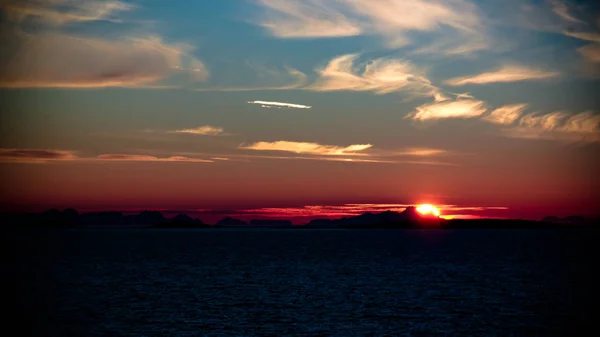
{"points": [[428, 209]]}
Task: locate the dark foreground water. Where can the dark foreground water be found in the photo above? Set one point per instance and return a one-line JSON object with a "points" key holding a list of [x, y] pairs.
{"points": [[146, 282]]}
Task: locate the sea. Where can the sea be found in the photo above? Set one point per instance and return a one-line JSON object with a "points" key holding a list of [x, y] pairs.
{"points": [[301, 282]]}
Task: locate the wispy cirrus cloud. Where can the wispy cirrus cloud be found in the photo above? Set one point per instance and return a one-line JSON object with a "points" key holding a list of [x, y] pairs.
{"points": [[407, 152], [307, 19], [561, 9], [375, 156], [53, 56], [418, 152], [511, 73], [42, 156], [583, 123], [381, 76], [35, 155], [267, 104], [395, 19], [346, 73], [449, 108], [587, 36], [275, 80], [57, 60], [507, 114], [391, 19], [309, 148], [591, 52], [583, 126], [205, 130], [547, 122], [60, 12], [380, 160], [371, 159], [346, 160], [145, 158]]}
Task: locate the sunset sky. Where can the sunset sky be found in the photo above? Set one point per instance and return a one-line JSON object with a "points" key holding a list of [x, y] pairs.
{"points": [[301, 108]]}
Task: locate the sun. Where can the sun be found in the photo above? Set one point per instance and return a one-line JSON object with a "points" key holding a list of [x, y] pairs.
{"points": [[426, 209]]}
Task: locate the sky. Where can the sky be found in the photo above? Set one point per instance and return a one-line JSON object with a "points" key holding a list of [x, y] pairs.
{"points": [[301, 109]]}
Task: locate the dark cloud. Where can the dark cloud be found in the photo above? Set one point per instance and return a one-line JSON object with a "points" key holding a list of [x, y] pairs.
{"points": [[35, 155], [57, 60], [37, 51]]}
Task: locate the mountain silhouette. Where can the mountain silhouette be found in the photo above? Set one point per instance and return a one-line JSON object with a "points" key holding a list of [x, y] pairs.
{"points": [[181, 221], [271, 223], [571, 220], [410, 217], [228, 221], [182, 218], [150, 217]]}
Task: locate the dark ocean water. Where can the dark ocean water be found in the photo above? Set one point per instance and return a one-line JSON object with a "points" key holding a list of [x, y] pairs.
{"points": [[242, 282]]}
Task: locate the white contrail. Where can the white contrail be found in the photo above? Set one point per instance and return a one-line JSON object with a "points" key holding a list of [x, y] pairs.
{"points": [[266, 104]]}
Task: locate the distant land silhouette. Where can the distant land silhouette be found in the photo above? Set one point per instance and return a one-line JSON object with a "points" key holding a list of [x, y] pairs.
{"points": [[228, 221], [271, 223], [409, 218]]}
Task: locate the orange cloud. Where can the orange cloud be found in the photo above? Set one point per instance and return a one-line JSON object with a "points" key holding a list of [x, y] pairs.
{"points": [[583, 126], [420, 152], [46, 156], [507, 114], [513, 73], [35, 155], [409, 152], [205, 130], [382, 157], [144, 158], [461, 108], [309, 148], [381, 76], [325, 153]]}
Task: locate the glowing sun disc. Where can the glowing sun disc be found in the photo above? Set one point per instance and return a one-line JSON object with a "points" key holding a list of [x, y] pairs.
{"points": [[428, 209]]}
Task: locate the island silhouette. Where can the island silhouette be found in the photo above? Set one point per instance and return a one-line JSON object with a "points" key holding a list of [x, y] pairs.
{"points": [[408, 218]]}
